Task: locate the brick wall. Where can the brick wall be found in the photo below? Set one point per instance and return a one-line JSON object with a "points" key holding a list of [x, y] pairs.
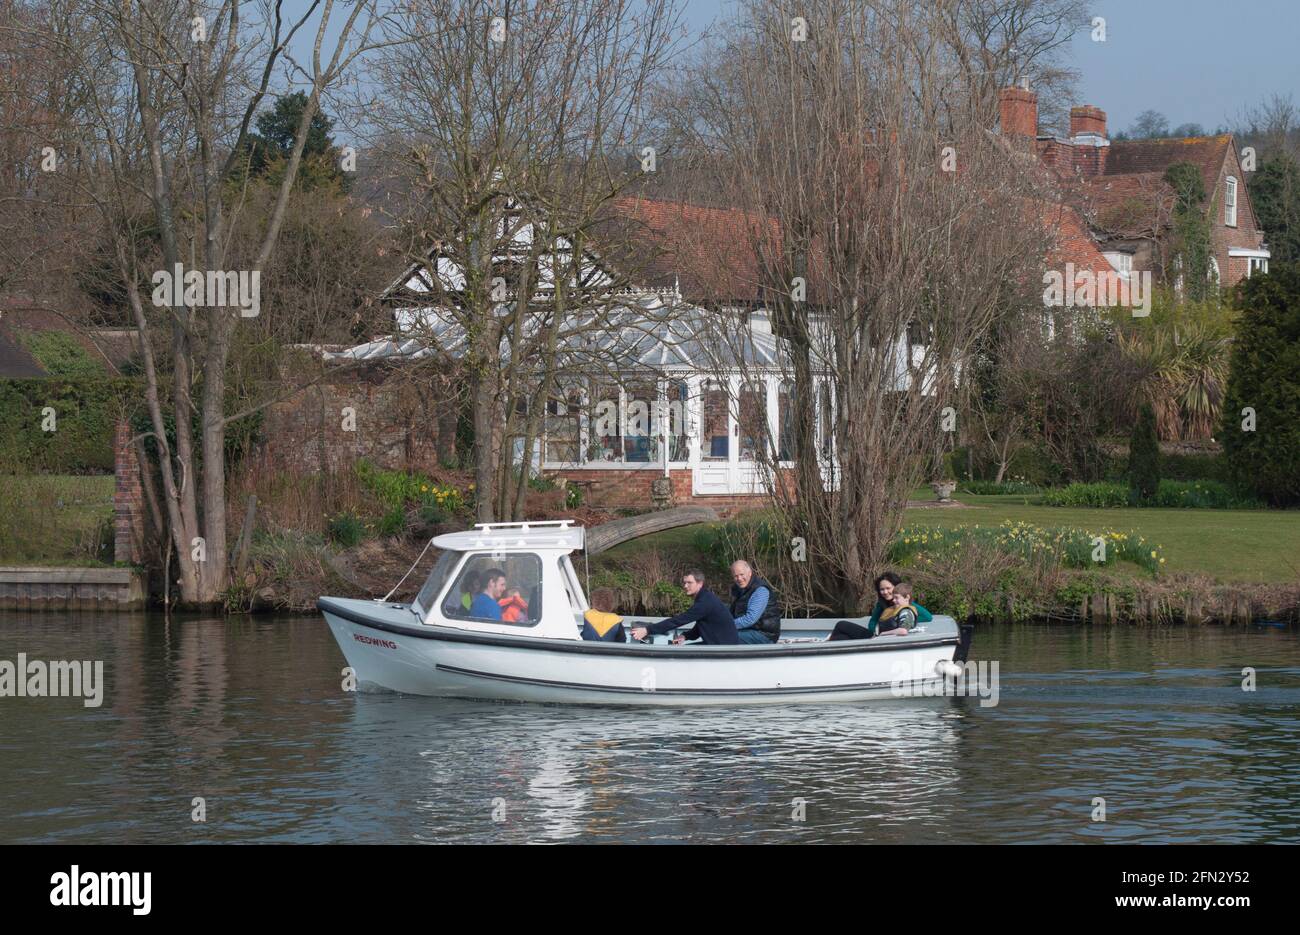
{"points": [[1245, 235], [615, 489], [396, 423], [128, 499]]}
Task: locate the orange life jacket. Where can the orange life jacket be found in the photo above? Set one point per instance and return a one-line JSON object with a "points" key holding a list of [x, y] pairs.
{"points": [[513, 608]]}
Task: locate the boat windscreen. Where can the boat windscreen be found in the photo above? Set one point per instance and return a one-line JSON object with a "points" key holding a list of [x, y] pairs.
{"points": [[437, 578]]}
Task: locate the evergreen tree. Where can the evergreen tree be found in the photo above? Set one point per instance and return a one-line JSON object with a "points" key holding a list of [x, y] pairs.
{"points": [[270, 145], [1261, 409], [1144, 458], [1275, 193]]}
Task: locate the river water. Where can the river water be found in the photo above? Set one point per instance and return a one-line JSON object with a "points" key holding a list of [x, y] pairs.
{"points": [[249, 716]]}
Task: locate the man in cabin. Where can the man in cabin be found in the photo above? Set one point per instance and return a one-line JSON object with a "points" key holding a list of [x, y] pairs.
{"points": [[485, 603], [713, 623], [754, 606]]}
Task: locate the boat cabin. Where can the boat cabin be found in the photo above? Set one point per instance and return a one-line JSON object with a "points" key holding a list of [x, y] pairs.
{"points": [[540, 596]]}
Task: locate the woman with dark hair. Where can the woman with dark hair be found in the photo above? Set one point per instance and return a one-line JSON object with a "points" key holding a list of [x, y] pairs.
{"points": [[885, 584]]}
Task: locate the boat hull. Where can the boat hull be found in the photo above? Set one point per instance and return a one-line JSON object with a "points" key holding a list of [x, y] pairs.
{"points": [[388, 649]]}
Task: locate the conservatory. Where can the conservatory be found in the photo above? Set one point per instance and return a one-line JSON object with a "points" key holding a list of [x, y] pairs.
{"points": [[675, 391]]}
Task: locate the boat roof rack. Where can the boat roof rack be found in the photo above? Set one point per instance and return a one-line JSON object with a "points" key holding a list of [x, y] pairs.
{"points": [[525, 526], [542, 534]]}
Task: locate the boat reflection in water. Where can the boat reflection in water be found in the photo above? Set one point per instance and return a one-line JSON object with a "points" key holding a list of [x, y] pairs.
{"points": [[698, 773]]}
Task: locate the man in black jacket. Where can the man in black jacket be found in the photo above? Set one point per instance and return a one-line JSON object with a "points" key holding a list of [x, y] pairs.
{"points": [[713, 623]]}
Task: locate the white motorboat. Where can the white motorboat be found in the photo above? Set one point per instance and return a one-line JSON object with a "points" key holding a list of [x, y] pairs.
{"points": [[442, 643]]}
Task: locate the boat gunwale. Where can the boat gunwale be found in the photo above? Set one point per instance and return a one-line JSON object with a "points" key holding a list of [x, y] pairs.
{"points": [[551, 644]]}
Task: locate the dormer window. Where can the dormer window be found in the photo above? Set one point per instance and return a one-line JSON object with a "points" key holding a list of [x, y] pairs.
{"points": [[1230, 203]]}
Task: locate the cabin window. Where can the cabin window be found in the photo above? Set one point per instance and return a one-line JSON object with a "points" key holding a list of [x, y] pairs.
{"points": [[1230, 202], [502, 589], [437, 578]]}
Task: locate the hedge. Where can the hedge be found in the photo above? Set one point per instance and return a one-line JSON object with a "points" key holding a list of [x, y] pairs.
{"points": [[85, 416]]}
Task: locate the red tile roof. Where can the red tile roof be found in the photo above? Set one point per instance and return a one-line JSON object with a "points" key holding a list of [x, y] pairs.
{"points": [[1155, 156], [1071, 241], [1135, 205], [710, 253]]}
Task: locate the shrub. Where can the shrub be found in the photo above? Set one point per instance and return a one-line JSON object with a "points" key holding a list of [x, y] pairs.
{"points": [[60, 355], [1195, 467], [988, 488], [1098, 495], [346, 530], [749, 536], [392, 522], [86, 413], [1204, 494], [399, 488], [1144, 458], [1261, 410]]}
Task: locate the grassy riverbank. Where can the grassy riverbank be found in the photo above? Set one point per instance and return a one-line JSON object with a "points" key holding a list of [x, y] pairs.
{"points": [[1231, 546], [1010, 557], [53, 519]]}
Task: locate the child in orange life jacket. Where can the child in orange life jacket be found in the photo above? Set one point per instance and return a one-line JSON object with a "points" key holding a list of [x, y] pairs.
{"points": [[513, 607], [899, 619]]}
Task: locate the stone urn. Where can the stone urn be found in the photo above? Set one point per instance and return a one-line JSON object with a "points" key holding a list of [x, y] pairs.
{"points": [[943, 489], [661, 492]]}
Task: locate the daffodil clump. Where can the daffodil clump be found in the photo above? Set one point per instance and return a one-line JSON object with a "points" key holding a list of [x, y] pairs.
{"points": [[1069, 546], [399, 488]]}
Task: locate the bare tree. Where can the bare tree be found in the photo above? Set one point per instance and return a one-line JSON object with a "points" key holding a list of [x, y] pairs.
{"points": [[168, 90], [893, 230], [516, 122]]}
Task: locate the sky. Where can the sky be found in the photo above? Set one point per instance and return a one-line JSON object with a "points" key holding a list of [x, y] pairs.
{"points": [[1195, 61]]}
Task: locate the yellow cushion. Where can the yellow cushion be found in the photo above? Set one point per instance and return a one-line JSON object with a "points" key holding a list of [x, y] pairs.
{"points": [[601, 621]]}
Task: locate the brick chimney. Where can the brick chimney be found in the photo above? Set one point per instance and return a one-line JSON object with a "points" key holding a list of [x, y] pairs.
{"points": [[1088, 134], [1019, 111], [1087, 120]]}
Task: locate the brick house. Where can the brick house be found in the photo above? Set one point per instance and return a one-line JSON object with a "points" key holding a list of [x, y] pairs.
{"points": [[1118, 186]]}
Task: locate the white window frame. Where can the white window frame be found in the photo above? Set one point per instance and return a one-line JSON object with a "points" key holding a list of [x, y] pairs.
{"points": [[1256, 259], [1230, 202]]}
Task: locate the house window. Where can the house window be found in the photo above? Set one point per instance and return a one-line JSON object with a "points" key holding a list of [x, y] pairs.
{"points": [[827, 419], [716, 436], [1256, 264], [606, 424], [784, 421], [564, 428], [753, 422], [1230, 203], [676, 393], [639, 429]]}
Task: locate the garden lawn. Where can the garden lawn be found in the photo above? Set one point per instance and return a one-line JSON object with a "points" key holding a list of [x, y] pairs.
{"points": [[1231, 545], [56, 519]]}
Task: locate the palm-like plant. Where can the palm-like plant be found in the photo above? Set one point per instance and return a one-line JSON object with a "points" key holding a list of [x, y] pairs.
{"points": [[1180, 371]]}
